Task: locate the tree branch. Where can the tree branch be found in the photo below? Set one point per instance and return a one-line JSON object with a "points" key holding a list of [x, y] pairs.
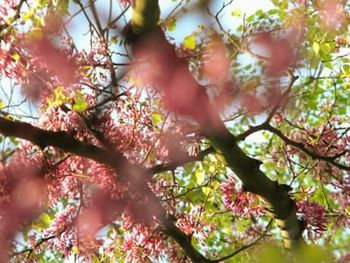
{"points": [[126, 171], [239, 250], [245, 167], [302, 147]]}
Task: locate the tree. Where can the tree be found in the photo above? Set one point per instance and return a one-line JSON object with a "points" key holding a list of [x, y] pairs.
{"points": [[144, 149]]}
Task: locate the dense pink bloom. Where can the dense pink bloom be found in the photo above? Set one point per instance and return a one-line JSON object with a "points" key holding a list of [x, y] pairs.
{"points": [[192, 223], [7, 9], [314, 216], [241, 203], [141, 243], [12, 64]]}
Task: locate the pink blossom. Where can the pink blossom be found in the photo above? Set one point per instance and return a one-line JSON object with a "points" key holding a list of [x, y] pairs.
{"points": [[241, 203], [345, 258], [315, 217], [280, 52], [332, 13], [143, 242], [58, 63]]}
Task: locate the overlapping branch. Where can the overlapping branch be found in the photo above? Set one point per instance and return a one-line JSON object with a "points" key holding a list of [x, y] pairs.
{"points": [[126, 171], [225, 143]]}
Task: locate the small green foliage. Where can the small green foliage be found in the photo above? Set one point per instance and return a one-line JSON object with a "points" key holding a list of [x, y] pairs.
{"points": [[236, 12], [190, 42], [157, 118], [42, 222], [171, 24], [80, 104], [316, 47]]}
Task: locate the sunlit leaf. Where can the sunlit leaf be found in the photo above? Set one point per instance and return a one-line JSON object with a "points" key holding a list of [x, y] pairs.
{"points": [[80, 105], [316, 47], [171, 24], [236, 12], [190, 42], [157, 118]]}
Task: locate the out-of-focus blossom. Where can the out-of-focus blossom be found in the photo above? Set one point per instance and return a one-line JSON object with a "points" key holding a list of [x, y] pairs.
{"points": [[332, 14], [278, 51], [215, 61], [56, 62]]}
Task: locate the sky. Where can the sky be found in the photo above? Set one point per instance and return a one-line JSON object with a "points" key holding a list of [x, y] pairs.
{"points": [[188, 23]]}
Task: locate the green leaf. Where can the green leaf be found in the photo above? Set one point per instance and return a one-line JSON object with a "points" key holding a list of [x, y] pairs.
{"points": [[171, 24], [42, 222], [316, 47], [236, 12], [40, 3], [28, 15], [75, 250], [35, 34], [326, 48], [190, 42], [63, 6], [200, 176], [80, 105], [157, 118]]}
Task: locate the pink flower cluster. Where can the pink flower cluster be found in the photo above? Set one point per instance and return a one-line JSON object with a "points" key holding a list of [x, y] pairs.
{"points": [[240, 202], [11, 64], [191, 223], [315, 217], [7, 9], [143, 243]]}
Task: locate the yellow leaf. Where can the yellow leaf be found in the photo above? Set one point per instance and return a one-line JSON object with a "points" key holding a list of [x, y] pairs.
{"points": [[35, 34], [236, 12], [171, 24], [75, 250], [190, 42], [206, 190], [80, 104], [316, 47], [114, 40], [157, 118], [28, 15], [212, 168], [200, 176], [16, 57]]}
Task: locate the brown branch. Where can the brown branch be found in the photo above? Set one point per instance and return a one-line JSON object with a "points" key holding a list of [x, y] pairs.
{"points": [[110, 24], [172, 165], [36, 245], [302, 147], [245, 167], [45, 239], [126, 171], [96, 17], [239, 250]]}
